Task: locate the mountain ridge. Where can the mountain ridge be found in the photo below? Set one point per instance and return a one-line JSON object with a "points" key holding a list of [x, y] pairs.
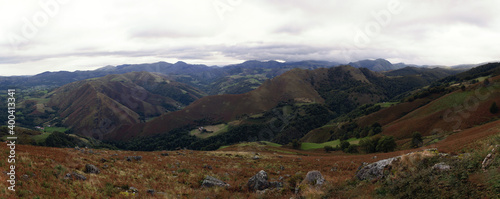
{"points": [[201, 76], [116, 100], [340, 89]]}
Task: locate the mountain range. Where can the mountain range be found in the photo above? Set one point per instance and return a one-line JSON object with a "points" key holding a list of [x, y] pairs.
{"points": [[232, 79], [173, 99]]}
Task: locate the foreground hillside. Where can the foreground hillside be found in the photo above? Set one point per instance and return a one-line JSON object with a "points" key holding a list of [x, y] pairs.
{"points": [[44, 172]]}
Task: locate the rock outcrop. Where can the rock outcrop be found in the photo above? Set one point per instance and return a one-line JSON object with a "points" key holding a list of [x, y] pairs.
{"points": [[210, 181], [441, 167], [74, 176], [375, 170], [314, 178], [89, 168], [136, 158], [488, 160], [258, 181]]}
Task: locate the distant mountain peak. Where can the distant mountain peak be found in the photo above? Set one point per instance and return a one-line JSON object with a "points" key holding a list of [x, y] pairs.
{"points": [[377, 65], [180, 63], [106, 68]]}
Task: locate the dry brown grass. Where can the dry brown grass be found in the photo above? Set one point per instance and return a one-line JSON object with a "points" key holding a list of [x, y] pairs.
{"points": [[180, 174]]}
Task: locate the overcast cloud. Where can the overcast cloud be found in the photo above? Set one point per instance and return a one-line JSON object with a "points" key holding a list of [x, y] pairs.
{"points": [[53, 35]]}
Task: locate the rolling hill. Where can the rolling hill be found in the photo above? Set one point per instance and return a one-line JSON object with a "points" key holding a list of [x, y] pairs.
{"points": [[456, 111], [340, 89], [450, 105], [94, 106], [453, 104], [430, 74]]}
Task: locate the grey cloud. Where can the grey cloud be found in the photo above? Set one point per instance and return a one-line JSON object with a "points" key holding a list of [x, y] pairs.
{"points": [[263, 30], [290, 29], [277, 51], [172, 33]]}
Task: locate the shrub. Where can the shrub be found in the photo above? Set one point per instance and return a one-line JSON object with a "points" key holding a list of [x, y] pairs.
{"points": [[295, 180], [365, 144], [109, 189], [486, 82], [352, 149], [58, 139], [369, 145], [386, 144], [296, 144], [416, 140], [187, 171], [494, 108], [344, 145], [330, 148]]}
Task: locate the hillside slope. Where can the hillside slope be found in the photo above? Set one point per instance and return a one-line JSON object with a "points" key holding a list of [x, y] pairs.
{"points": [[456, 111], [48, 172], [340, 89], [222, 108], [93, 107]]}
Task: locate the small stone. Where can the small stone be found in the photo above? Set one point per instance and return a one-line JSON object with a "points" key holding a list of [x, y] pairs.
{"points": [[25, 177], [136, 158], [89, 168], [314, 178], [277, 185], [74, 176], [258, 181], [210, 181], [488, 160], [133, 189], [441, 167]]}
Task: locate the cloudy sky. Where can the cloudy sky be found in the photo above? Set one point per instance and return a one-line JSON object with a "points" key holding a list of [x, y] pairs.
{"points": [[53, 35]]}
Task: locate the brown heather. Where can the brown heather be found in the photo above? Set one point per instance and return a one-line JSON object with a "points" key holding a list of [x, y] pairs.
{"points": [[179, 175]]}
